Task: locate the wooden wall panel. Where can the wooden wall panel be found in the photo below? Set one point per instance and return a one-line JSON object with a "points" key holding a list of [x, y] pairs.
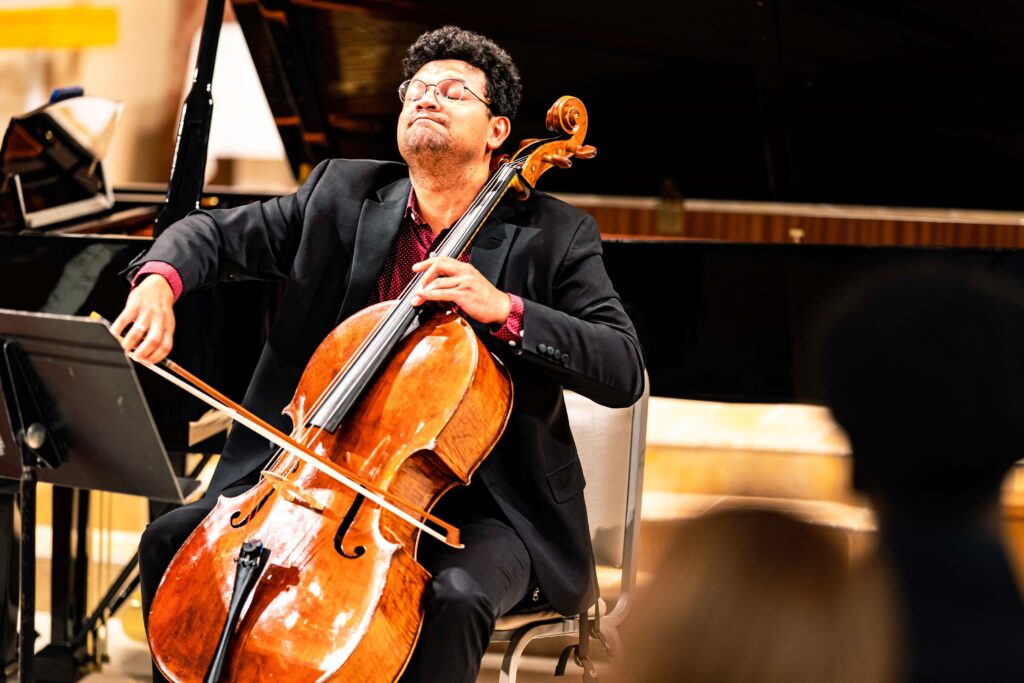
{"points": [[803, 223]]}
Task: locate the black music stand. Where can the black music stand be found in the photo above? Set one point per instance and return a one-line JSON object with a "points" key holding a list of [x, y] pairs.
{"points": [[72, 414]]}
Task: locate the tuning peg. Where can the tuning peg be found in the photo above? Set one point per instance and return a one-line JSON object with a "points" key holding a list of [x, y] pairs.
{"points": [[557, 160], [527, 141], [586, 152], [497, 161]]}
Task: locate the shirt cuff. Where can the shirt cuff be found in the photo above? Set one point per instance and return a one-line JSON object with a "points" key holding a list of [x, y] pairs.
{"points": [[512, 330], [169, 273]]}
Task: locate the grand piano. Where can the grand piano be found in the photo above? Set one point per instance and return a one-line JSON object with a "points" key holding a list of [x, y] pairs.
{"points": [[754, 157]]}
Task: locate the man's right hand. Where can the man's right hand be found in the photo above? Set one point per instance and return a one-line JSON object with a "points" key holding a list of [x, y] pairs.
{"points": [[150, 310]]}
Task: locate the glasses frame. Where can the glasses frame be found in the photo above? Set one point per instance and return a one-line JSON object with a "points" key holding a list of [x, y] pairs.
{"points": [[404, 87]]}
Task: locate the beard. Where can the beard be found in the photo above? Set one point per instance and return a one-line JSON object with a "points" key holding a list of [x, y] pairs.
{"points": [[431, 150], [422, 139]]}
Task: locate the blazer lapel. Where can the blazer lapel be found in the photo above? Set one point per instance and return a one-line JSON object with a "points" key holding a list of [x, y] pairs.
{"points": [[490, 251], [379, 221], [490, 248]]}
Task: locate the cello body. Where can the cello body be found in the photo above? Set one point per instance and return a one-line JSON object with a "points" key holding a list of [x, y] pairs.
{"points": [[339, 598]]}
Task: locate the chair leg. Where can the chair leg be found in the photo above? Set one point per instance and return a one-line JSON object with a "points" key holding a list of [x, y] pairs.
{"points": [[510, 662], [583, 652], [614, 640]]}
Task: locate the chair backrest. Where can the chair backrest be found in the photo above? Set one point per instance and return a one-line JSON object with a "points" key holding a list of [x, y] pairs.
{"points": [[611, 443]]}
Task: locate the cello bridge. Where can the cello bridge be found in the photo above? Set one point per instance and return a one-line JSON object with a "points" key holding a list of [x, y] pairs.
{"points": [[293, 493]]}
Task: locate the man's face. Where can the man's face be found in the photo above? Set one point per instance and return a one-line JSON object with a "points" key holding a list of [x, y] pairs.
{"points": [[435, 128]]}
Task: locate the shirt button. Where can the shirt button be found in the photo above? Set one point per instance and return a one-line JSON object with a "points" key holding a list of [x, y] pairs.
{"points": [[511, 342]]}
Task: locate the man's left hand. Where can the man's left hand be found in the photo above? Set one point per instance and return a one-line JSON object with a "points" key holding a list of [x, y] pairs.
{"points": [[460, 283]]}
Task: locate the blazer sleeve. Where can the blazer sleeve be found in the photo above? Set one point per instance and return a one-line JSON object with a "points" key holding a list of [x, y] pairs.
{"points": [[256, 241], [584, 340]]}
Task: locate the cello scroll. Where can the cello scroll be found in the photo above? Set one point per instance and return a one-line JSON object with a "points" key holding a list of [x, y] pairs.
{"points": [[568, 117]]}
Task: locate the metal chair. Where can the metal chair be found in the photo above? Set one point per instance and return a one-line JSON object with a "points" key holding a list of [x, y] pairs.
{"points": [[611, 444]]}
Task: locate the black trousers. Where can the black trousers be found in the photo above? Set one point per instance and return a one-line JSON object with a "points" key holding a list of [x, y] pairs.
{"points": [[469, 590]]}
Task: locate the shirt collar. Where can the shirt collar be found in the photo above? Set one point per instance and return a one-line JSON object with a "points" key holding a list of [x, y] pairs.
{"points": [[412, 209]]}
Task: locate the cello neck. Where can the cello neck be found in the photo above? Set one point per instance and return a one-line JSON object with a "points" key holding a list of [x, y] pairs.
{"points": [[461, 235], [352, 383]]}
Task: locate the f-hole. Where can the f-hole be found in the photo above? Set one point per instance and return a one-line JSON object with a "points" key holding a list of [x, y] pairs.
{"points": [[237, 523], [339, 537]]}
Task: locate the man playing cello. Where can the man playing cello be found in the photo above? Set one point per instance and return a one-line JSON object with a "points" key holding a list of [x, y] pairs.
{"points": [[533, 285]]}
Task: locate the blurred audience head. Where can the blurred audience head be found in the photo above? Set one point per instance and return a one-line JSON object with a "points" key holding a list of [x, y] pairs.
{"points": [[758, 596], [925, 371]]}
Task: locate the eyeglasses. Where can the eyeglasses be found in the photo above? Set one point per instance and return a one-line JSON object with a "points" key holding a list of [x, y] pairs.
{"points": [[451, 89]]}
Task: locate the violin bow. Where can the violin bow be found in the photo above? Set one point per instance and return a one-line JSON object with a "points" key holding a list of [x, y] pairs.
{"points": [[182, 378]]}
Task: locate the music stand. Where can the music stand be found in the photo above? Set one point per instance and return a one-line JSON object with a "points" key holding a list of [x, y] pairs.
{"points": [[72, 414]]}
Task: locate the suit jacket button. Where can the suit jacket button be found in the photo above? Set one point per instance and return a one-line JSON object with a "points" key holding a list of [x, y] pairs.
{"points": [[565, 359], [551, 350], [542, 348]]}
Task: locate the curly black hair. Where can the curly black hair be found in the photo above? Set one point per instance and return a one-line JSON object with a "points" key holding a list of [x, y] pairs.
{"points": [[451, 42]]}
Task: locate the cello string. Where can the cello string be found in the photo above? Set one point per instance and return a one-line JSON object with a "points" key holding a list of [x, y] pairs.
{"points": [[498, 181], [373, 344], [378, 341]]}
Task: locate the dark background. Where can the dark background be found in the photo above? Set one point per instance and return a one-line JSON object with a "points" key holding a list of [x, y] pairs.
{"points": [[887, 102]]}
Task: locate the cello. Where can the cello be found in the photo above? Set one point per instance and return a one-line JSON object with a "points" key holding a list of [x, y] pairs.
{"points": [[301, 579]]}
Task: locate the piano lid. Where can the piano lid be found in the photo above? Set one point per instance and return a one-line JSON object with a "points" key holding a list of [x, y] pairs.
{"points": [[902, 102], [51, 162]]}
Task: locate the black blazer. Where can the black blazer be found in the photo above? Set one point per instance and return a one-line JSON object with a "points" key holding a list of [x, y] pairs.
{"points": [[328, 242]]}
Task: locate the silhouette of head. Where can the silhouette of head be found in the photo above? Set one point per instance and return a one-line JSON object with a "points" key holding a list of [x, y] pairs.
{"points": [[925, 371]]}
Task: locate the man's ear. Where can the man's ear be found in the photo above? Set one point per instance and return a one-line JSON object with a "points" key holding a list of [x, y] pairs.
{"points": [[500, 127]]}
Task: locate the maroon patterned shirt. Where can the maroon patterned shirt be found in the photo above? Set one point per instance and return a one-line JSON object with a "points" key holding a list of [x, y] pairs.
{"points": [[414, 242], [415, 238]]}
